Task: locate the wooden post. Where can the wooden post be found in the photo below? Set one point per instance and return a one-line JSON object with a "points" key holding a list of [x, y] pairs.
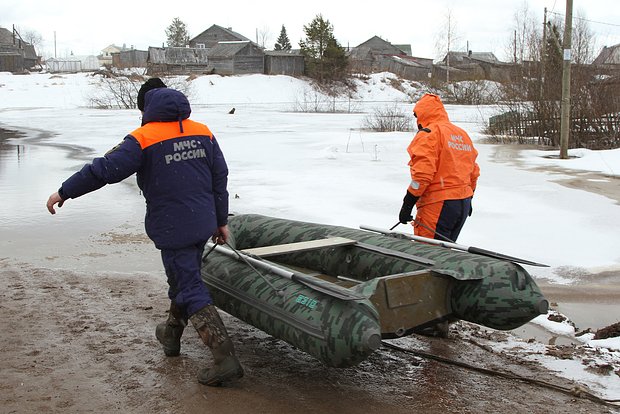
{"points": [[565, 109], [543, 54]]}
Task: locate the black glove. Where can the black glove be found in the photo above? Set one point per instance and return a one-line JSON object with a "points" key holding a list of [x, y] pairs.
{"points": [[471, 210], [405, 211]]}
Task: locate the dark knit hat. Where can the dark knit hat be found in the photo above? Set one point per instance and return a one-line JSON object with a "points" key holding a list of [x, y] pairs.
{"points": [[152, 83]]}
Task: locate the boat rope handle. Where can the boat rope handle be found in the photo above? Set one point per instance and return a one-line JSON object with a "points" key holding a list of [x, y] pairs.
{"points": [[279, 292]]}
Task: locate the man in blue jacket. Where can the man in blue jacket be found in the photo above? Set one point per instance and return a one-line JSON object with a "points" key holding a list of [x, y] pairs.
{"points": [[183, 176]]}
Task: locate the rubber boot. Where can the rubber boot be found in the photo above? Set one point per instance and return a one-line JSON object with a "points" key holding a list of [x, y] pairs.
{"points": [[211, 329], [169, 333]]}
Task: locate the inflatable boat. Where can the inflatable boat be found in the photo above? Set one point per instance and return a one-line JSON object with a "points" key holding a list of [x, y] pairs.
{"points": [[336, 292]]}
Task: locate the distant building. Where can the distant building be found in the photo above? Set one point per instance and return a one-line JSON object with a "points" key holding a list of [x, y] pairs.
{"points": [[64, 65], [177, 60], [105, 58], [609, 56], [214, 35], [472, 66], [410, 67], [15, 54], [132, 58], [89, 63], [379, 55], [460, 58], [374, 54], [236, 57], [280, 62], [405, 48], [73, 64]]}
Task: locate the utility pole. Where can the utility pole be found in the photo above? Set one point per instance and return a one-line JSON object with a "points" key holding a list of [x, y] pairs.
{"points": [[449, 35], [565, 108], [515, 47], [543, 55]]}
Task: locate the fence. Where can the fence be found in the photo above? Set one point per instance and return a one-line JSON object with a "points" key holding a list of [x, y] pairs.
{"points": [[585, 132]]}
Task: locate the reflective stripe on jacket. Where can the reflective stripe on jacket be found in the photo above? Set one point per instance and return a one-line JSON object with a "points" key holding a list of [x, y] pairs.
{"points": [[442, 156]]}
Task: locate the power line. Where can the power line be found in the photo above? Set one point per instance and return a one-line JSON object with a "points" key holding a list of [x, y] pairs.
{"points": [[587, 20]]}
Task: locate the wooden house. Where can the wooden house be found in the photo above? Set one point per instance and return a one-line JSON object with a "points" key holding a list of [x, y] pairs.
{"points": [[177, 61], [281, 62], [608, 61], [379, 55], [214, 35], [236, 57], [132, 58], [608, 56], [373, 55], [473, 66], [410, 67], [15, 54]]}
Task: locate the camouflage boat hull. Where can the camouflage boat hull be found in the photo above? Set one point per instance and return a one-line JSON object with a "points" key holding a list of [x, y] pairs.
{"points": [[334, 292]]}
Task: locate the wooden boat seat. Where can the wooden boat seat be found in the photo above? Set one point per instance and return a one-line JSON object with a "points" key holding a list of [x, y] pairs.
{"points": [[299, 246]]}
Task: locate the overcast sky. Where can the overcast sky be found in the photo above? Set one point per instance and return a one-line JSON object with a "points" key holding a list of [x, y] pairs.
{"points": [[486, 25]]}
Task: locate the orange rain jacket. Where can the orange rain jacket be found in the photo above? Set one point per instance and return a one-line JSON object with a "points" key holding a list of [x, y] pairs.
{"points": [[443, 158]]}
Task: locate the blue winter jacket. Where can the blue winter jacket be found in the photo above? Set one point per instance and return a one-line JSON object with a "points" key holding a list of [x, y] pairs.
{"points": [[180, 170]]}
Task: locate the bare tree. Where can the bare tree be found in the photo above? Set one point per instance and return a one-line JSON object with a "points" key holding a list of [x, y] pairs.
{"points": [[531, 101], [446, 39], [115, 92], [263, 36], [31, 36], [524, 40], [120, 91], [388, 119], [583, 40]]}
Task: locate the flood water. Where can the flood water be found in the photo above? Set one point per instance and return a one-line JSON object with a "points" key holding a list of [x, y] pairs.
{"points": [[104, 230], [32, 167]]}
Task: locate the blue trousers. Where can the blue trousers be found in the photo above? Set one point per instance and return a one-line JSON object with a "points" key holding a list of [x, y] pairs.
{"points": [[186, 288], [443, 217], [452, 218]]}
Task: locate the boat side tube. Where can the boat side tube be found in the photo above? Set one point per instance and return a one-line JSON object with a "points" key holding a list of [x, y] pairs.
{"points": [[505, 299], [340, 332]]}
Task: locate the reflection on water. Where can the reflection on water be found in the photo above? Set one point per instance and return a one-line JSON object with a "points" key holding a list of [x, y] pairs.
{"points": [[8, 149], [24, 177], [12, 154], [33, 164]]}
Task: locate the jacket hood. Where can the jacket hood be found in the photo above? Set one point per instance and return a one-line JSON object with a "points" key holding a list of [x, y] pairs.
{"points": [[165, 105], [429, 109]]}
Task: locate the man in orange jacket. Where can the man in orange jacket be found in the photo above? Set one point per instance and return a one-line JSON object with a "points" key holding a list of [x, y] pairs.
{"points": [[444, 173]]}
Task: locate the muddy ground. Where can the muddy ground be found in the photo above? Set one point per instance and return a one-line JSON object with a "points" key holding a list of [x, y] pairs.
{"points": [[77, 342]]}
